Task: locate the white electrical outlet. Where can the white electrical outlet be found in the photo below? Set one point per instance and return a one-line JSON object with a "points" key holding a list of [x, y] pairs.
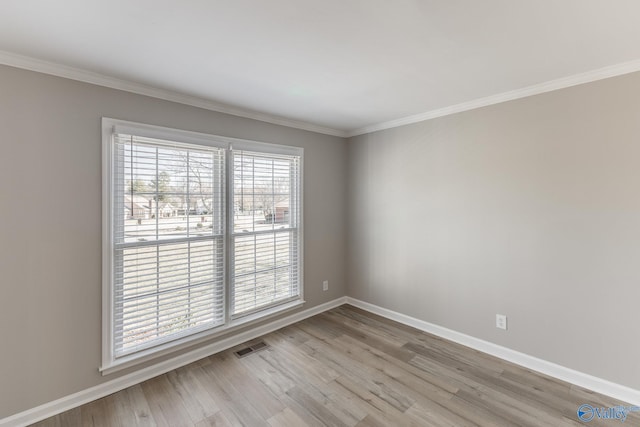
{"points": [[325, 285], [501, 321]]}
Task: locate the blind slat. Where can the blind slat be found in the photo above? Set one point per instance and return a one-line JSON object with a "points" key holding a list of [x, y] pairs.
{"points": [[169, 234], [266, 241], [168, 238]]}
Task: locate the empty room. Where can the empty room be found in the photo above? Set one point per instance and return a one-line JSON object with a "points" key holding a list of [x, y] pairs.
{"points": [[319, 213]]}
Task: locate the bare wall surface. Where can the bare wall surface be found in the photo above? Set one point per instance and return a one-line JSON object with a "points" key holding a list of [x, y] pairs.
{"points": [[529, 208], [50, 223]]}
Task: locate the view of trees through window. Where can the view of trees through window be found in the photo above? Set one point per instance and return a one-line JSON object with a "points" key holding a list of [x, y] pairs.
{"points": [[170, 223], [170, 192], [169, 241], [265, 234]]}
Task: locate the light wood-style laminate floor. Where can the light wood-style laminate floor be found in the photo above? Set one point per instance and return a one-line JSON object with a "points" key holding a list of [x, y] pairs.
{"points": [[346, 367]]}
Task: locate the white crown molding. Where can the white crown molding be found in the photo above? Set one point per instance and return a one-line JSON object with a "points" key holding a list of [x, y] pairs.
{"points": [[599, 385], [46, 67], [561, 83], [71, 401], [73, 73]]}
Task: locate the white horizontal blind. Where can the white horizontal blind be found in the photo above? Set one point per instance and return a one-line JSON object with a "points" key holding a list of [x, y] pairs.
{"points": [[168, 241], [265, 237]]}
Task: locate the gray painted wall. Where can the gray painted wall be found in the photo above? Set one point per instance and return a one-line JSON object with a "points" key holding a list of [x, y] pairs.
{"points": [[529, 208], [50, 223]]}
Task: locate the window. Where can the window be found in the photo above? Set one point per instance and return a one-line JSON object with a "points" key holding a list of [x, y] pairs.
{"points": [[202, 233], [265, 232]]}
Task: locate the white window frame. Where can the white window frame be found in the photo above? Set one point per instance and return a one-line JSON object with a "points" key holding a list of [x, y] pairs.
{"points": [[252, 146], [111, 363]]}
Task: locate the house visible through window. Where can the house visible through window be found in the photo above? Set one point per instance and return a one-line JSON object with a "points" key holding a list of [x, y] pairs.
{"points": [[265, 232], [201, 233]]}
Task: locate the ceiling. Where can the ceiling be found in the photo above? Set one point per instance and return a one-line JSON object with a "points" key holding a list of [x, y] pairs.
{"points": [[337, 66]]}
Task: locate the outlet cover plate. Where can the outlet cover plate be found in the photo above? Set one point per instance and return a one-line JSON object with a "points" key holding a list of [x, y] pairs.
{"points": [[501, 321]]}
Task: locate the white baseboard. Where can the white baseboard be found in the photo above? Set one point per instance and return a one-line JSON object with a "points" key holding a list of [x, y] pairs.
{"points": [[599, 385], [71, 401]]}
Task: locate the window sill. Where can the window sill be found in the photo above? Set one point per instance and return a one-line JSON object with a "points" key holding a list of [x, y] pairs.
{"points": [[180, 344]]}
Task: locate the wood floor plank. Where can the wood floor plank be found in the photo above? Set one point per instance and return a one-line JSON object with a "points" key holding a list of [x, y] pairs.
{"points": [[382, 360], [290, 333], [376, 383], [71, 418], [346, 368], [198, 402], [472, 381], [316, 408], [474, 393], [268, 375], [166, 405], [312, 367], [260, 397], [466, 409], [287, 418], [386, 335], [401, 372], [373, 405], [370, 421], [235, 406], [299, 371], [432, 414], [138, 405], [96, 414], [441, 399], [216, 420], [121, 407], [374, 341]]}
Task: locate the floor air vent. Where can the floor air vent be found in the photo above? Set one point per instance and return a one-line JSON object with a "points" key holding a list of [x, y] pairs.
{"points": [[260, 345]]}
